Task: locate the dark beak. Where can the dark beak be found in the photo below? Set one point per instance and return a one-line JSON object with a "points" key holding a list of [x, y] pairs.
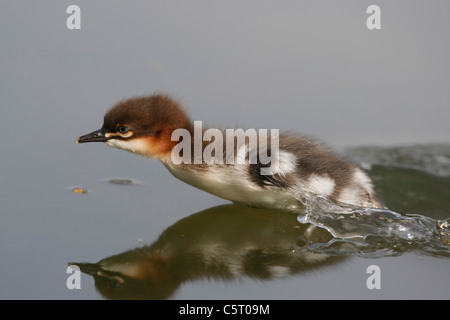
{"points": [[88, 268], [96, 136]]}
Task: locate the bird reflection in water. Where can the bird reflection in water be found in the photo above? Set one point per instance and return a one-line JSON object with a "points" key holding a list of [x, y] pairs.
{"points": [[225, 243]]}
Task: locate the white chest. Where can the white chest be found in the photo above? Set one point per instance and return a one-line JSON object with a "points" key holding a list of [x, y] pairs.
{"points": [[232, 183]]}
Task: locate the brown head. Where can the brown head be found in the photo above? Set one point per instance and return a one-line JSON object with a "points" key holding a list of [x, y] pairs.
{"points": [[141, 125]]}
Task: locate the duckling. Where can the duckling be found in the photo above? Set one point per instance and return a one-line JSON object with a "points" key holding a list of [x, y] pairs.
{"points": [[155, 126]]}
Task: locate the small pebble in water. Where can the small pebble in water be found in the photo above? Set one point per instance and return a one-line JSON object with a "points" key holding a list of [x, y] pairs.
{"points": [[79, 190]]}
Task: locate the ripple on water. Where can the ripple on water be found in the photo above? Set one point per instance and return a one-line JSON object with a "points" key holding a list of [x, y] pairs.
{"points": [[123, 182]]}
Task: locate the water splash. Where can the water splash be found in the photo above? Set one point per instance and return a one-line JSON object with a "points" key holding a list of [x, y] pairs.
{"points": [[370, 232]]}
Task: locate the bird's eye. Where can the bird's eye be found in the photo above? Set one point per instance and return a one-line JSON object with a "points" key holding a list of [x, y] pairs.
{"points": [[122, 129], [113, 283]]}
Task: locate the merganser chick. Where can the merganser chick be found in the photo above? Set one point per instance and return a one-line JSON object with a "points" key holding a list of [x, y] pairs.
{"points": [[145, 126]]}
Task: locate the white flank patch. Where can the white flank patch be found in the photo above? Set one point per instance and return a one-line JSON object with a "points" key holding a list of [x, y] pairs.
{"points": [[358, 188], [350, 195], [322, 185], [285, 163], [360, 178], [242, 153]]}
